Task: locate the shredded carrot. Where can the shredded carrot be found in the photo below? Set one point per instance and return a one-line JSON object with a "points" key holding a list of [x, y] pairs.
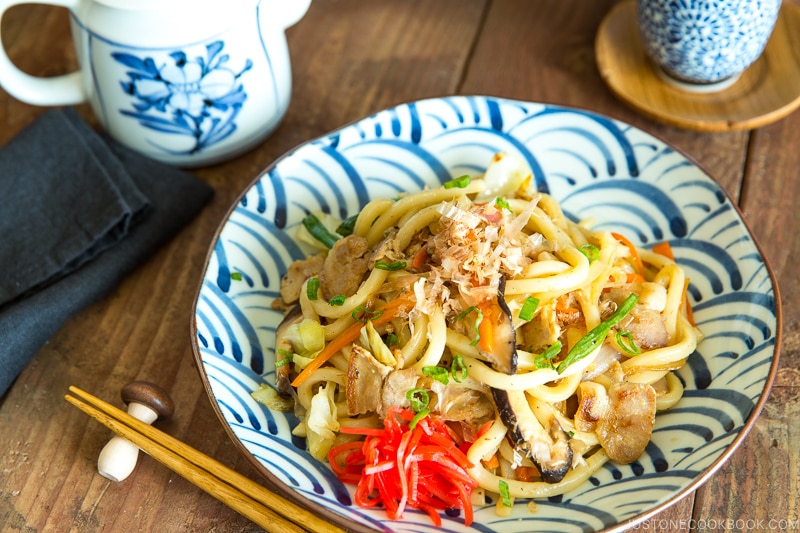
{"points": [[420, 258], [637, 261], [389, 311], [563, 307], [492, 463], [404, 302], [526, 473], [486, 327], [345, 338], [664, 248], [634, 278], [571, 313]]}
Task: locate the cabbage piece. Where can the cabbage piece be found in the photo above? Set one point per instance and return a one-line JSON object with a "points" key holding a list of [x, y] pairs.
{"points": [[301, 362], [504, 176], [370, 338], [307, 337], [268, 396], [322, 422]]}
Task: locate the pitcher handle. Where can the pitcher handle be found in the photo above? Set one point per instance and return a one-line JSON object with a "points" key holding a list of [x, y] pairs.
{"points": [[54, 91]]}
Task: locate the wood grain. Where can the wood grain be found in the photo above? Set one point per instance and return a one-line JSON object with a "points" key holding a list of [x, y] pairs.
{"points": [[352, 58], [247, 497], [349, 59]]}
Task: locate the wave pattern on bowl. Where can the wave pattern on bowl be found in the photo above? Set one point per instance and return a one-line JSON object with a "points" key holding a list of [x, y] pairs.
{"points": [[623, 178]]}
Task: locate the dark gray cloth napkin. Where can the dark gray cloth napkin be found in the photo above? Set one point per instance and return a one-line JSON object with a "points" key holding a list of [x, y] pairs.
{"points": [[78, 212]]}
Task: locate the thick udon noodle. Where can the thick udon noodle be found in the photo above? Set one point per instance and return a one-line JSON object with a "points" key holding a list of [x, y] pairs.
{"points": [[572, 261]]}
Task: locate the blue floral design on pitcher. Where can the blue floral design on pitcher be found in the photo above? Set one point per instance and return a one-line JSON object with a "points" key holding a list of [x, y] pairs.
{"points": [[199, 98]]}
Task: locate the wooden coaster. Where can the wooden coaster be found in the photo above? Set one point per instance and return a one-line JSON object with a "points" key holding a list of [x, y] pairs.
{"points": [[767, 91]]}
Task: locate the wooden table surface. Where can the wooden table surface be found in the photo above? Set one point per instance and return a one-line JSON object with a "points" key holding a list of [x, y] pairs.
{"points": [[350, 59]]}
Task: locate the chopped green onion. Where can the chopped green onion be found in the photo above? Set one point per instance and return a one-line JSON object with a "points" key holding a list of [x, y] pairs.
{"points": [[236, 276], [286, 357], [461, 182], [591, 252], [545, 359], [436, 372], [419, 399], [528, 308], [312, 288], [594, 338], [397, 265], [318, 230], [477, 322], [285, 361], [571, 434], [626, 342], [499, 203], [362, 314], [458, 369], [417, 417], [391, 339], [338, 300], [347, 225], [505, 494]]}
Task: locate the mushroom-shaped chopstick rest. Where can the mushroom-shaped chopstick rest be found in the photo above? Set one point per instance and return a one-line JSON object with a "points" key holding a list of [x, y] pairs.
{"points": [[147, 402]]}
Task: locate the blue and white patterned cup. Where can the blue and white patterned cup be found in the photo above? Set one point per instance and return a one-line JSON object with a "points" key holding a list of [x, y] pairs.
{"points": [[705, 43], [187, 82]]}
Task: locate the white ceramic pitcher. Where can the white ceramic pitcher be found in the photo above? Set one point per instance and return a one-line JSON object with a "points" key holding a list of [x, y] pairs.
{"points": [[187, 82]]}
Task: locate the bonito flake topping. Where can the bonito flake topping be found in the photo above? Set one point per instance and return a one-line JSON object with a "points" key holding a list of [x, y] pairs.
{"points": [[472, 247]]}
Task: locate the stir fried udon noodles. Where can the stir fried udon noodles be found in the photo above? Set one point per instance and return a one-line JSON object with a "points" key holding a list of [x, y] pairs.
{"points": [[471, 344]]}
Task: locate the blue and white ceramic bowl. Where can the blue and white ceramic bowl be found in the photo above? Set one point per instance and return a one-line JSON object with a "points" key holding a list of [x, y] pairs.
{"points": [[706, 41], [596, 167]]}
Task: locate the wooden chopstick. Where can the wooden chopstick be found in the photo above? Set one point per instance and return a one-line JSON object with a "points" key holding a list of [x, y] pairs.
{"points": [[270, 511]]}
